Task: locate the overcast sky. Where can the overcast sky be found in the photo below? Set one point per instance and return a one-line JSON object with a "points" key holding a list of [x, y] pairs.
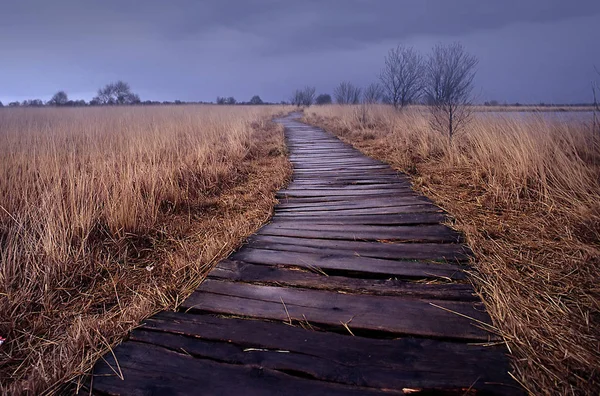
{"points": [[529, 51]]}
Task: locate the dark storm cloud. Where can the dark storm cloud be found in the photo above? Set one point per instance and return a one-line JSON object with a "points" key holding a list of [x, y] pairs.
{"points": [[188, 48], [285, 26], [317, 25]]}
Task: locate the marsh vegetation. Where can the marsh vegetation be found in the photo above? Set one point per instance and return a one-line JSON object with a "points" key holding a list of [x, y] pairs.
{"points": [[109, 214]]}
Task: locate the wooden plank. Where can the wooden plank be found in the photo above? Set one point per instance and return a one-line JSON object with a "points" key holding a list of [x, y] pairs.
{"points": [[326, 166], [316, 155], [339, 182], [309, 226], [393, 196], [297, 277], [321, 164], [390, 181], [349, 191], [335, 157], [337, 198], [354, 161], [154, 370], [352, 187], [394, 251], [343, 263], [379, 169], [423, 233], [303, 200], [421, 208], [398, 219], [389, 364], [316, 152], [393, 315], [399, 194], [351, 204], [335, 206], [348, 172]]}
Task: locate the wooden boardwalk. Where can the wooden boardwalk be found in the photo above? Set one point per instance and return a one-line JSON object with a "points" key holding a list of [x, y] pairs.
{"points": [[354, 288]]}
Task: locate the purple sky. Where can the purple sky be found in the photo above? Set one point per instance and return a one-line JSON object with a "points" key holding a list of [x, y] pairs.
{"points": [[529, 51]]}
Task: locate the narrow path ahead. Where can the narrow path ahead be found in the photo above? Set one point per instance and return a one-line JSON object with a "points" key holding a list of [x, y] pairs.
{"points": [[354, 288]]}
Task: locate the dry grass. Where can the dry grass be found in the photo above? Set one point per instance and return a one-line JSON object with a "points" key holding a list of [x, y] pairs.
{"points": [[110, 214], [526, 193], [535, 108]]}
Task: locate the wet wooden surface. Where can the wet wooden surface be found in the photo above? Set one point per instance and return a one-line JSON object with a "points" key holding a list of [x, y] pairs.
{"points": [[354, 287]]}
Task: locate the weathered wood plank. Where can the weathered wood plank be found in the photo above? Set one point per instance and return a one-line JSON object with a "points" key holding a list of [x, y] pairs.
{"points": [[324, 192], [338, 182], [339, 198], [398, 219], [352, 161], [394, 315], [318, 185], [394, 251], [423, 233], [334, 207], [334, 168], [353, 203], [154, 370], [347, 172], [310, 226], [294, 276], [421, 208], [389, 364], [340, 262], [399, 194]]}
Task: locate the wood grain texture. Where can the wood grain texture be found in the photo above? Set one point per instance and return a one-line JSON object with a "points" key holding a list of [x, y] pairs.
{"points": [[310, 278]]}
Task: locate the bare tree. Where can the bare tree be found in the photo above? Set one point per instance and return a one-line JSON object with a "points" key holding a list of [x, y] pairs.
{"points": [[117, 93], [256, 100], [346, 93], [59, 99], [308, 96], [303, 97], [449, 75], [296, 98], [401, 77], [372, 94]]}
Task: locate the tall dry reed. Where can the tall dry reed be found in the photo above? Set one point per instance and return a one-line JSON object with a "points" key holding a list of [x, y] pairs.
{"points": [[525, 190], [108, 214]]}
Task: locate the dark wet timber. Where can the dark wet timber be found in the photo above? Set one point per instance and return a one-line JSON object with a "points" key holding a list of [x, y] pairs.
{"points": [[356, 287]]}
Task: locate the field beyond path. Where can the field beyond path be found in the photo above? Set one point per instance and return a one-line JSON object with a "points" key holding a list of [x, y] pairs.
{"points": [[355, 287]]}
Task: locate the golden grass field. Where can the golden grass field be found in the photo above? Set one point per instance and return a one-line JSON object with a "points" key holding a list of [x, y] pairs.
{"points": [[526, 193], [534, 108], [108, 215]]}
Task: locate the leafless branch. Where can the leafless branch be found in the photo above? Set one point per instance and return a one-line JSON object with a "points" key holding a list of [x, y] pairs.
{"points": [[401, 78], [347, 93], [303, 97], [372, 94], [449, 75]]}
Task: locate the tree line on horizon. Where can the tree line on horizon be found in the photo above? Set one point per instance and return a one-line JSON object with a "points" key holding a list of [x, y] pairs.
{"points": [[119, 93], [443, 81]]}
